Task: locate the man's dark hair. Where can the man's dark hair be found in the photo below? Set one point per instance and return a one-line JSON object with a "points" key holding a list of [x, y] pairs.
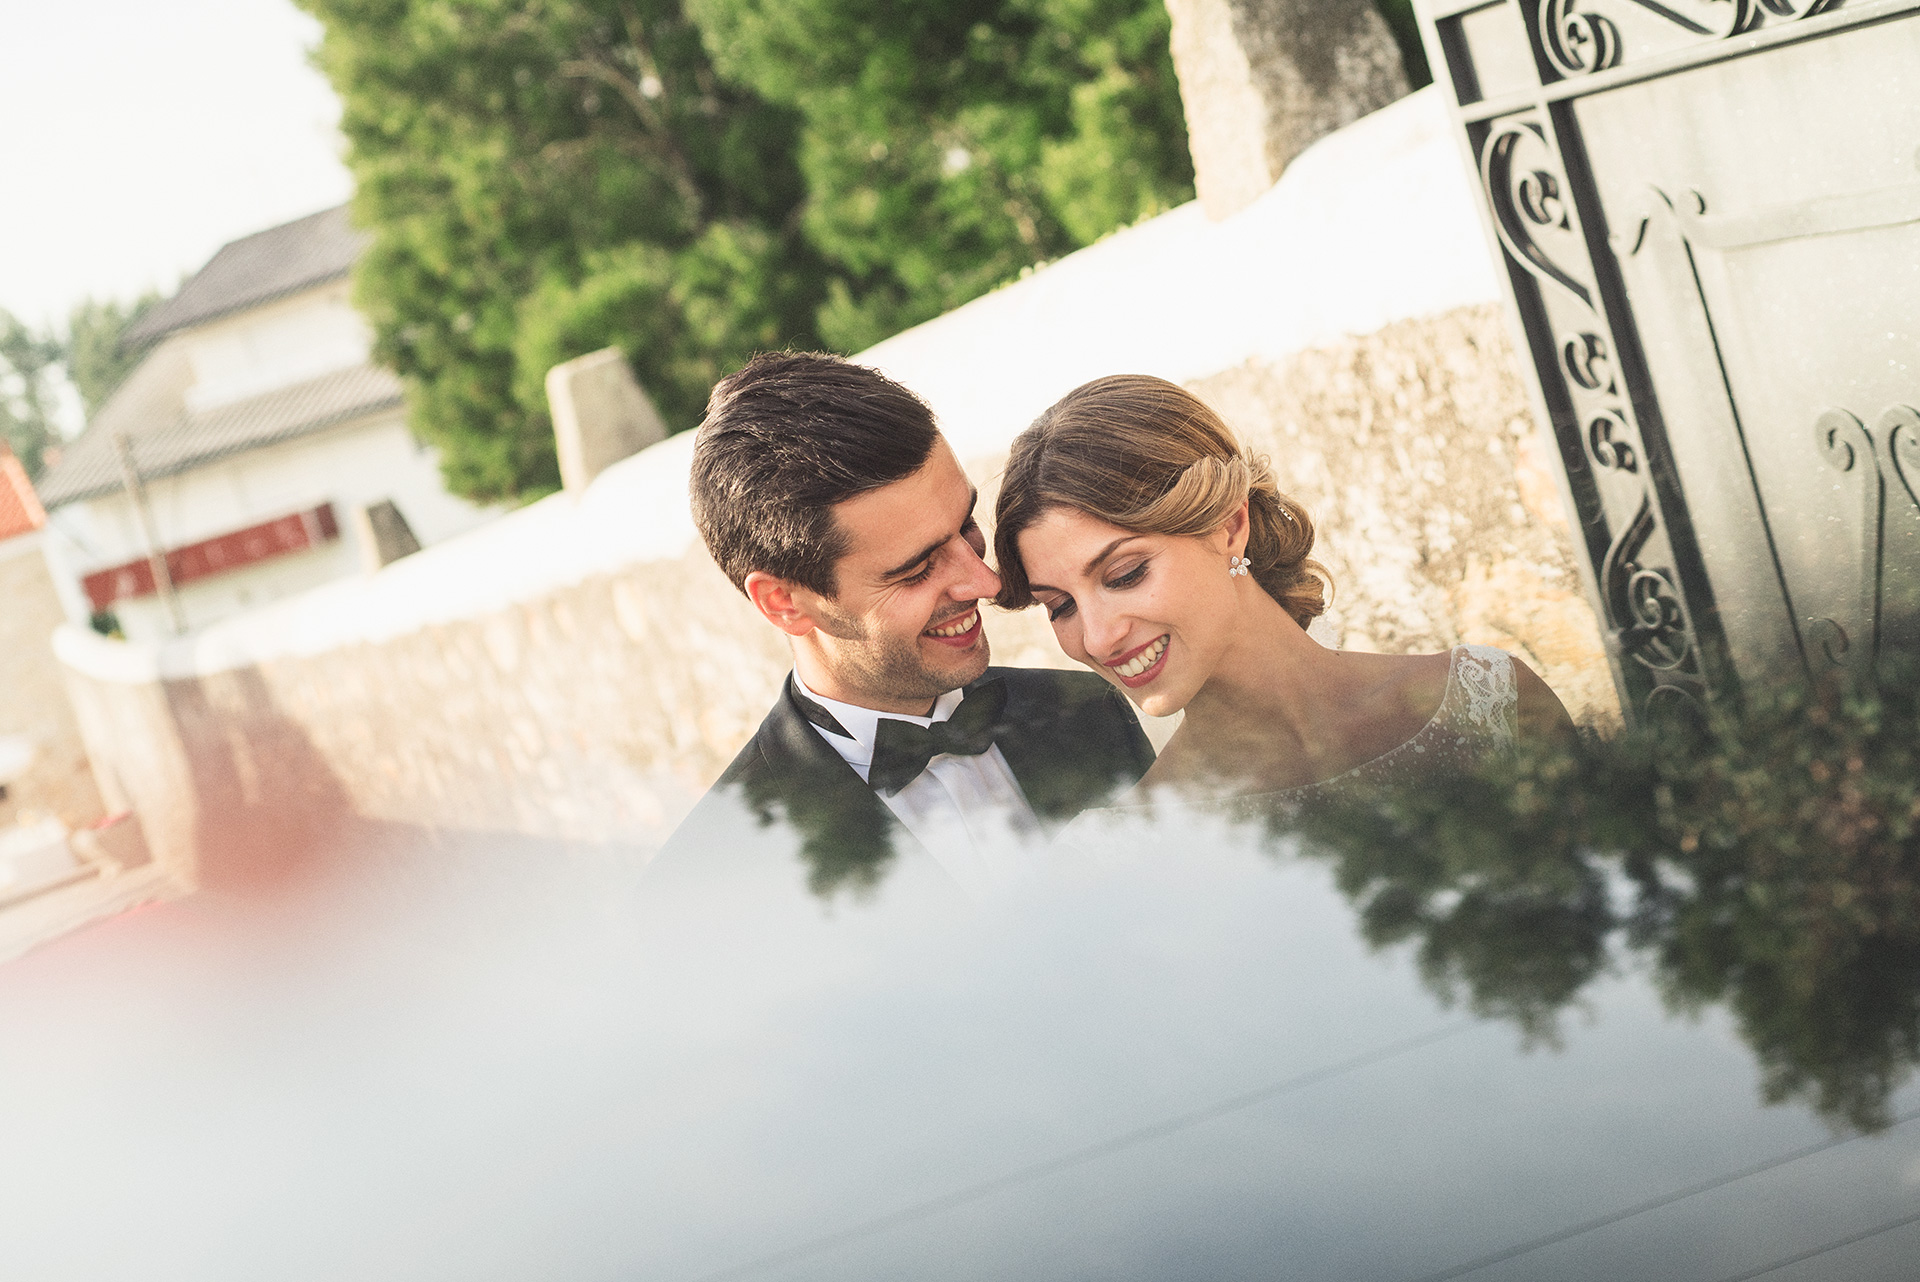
{"points": [[786, 438]]}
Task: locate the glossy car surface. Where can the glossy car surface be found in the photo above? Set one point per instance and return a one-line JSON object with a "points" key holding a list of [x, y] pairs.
{"points": [[1190, 1048]]}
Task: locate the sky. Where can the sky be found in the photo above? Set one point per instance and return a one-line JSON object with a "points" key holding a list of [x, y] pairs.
{"points": [[141, 135]]}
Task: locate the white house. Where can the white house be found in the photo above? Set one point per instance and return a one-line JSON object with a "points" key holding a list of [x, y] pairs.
{"points": [[272, 454]]}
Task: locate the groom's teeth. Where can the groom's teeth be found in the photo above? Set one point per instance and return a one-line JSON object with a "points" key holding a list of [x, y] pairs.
{"points": [[956, 628]]}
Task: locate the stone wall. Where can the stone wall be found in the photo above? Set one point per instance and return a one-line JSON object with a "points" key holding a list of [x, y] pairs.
{"points": [[597, 712], [600, 710], [577, 668], [33, 697], [1433, 492]]}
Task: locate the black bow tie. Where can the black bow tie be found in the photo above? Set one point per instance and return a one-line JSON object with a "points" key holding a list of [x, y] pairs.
{"points": [[901, 750]]}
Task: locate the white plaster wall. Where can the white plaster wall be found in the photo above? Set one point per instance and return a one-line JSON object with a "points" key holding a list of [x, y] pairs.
{"points": [[276, 345], [354, 464], [33, 696]]}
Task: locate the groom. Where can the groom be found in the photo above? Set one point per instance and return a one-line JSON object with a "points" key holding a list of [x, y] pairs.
{"points": [[826, 493]]}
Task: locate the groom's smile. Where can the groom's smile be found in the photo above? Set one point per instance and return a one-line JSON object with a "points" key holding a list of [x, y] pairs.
{"points": [[961, 632], [904, 623]]}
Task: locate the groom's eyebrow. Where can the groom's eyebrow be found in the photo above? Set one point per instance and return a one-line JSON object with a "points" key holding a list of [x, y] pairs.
{"points": [[907, 566]]}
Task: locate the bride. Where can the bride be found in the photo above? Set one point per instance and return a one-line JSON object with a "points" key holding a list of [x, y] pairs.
{"points": [[1170, 564]]}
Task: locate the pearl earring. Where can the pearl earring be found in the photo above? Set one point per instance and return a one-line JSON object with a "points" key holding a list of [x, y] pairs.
{"points": [[1237, 565]]}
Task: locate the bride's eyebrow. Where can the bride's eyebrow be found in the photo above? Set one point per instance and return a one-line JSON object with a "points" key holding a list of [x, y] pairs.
{"points": [[1092, 565], [1106, 552]]}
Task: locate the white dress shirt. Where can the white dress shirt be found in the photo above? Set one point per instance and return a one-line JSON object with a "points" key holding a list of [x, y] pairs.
{"points": [[968, 811]]}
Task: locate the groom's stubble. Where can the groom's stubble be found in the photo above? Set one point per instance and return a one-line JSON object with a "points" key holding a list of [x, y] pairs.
{"points": [[882, 664]]}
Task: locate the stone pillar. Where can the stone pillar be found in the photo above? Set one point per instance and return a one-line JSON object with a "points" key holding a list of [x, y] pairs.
{"points": [[1262, 79], [383, 534], [600, 415]]}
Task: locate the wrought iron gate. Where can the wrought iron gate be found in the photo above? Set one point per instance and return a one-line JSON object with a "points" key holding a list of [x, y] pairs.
{"points": [[1709, 215]]}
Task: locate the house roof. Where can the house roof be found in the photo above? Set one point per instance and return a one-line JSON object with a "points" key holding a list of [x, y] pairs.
{"points": [[20, 511], [167, 438], [257, 269]]}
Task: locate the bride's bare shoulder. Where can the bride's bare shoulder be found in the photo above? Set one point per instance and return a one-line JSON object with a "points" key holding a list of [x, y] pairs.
{"points": [[1400, 683]]}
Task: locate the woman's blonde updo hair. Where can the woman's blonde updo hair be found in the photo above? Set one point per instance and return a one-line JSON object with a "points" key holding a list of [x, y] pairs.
{"points": [[1147, 456]]}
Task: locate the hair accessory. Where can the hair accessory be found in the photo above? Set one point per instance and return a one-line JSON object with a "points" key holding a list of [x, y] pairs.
{"points": [[1237, 565]]}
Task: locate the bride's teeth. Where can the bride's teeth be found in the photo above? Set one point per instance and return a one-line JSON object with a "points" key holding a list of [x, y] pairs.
{"points": [[1144, 660]]}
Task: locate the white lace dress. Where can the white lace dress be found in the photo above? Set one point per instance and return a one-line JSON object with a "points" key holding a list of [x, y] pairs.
{"points": [[1478, 717]]}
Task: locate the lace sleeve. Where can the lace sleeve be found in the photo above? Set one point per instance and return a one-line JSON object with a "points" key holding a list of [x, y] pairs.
{"points": [[1491, 694]]}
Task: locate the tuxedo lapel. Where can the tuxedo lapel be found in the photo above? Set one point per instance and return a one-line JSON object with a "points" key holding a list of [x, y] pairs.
{"points": [[846, 833], [1071, 741]]}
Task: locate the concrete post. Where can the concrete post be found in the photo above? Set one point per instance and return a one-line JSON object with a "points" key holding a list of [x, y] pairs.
{"points": [[600, 416], [383, 534], [1261, 80]]}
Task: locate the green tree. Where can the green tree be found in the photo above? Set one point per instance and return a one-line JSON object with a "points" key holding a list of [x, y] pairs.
{"points": [[32, 362], [28, 365], [1765, 859], [94, 359], [948, 147], [543, 178]]}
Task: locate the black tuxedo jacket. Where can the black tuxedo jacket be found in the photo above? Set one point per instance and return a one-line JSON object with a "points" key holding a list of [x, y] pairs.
{"points": [[1071, 740]]}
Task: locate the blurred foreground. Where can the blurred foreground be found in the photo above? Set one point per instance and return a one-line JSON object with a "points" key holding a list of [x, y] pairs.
{"points": [[1207, 1042]]}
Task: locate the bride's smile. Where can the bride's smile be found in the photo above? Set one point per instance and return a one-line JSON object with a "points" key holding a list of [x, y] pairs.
{"points": [[1141, 664], [1154, 614]]}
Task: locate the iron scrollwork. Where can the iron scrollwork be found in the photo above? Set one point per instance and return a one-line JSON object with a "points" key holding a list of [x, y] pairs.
{"points": [[1844, 443], [1607, 438], [1672, 706], [1577, 42], [1526, 200], [1588, 364], [1649, 623], [1889, 451], [1831, 639], [1900, 428], [1526, 193], [1578, 38]]}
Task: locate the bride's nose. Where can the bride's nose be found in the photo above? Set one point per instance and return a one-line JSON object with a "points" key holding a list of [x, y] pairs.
{"points": [[1103, 632]]}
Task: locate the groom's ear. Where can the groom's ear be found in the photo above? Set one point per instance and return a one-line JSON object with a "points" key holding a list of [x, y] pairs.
{"points": [[775, 599]]}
